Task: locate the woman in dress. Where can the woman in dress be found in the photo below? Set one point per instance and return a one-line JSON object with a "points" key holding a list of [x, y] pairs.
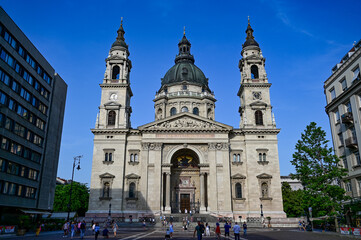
{"points": [[208, 232], [171, 229]]}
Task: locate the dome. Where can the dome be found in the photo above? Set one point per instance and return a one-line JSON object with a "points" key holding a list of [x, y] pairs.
{"points": [[250, 42], [185, 71], [120, 43]]}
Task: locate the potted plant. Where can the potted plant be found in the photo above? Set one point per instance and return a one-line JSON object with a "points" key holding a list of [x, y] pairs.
{"points": [[24, 222], [269, 222]]}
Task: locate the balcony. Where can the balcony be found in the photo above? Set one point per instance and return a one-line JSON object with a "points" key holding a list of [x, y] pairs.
{"points": [[347, 118], [351, 142]]}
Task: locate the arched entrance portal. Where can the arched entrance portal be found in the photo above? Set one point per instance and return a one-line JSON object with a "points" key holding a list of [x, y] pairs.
{"points": [[185, 182]]}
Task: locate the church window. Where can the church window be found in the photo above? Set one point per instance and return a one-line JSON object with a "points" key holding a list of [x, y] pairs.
{"points": [[106, 190], [135, 157], [259, 117], [254, 72], [238, 190], [116, 71], [184, 109], [196, 111], [234, 157], [110, 157], [238, 158], [260, 157], [132, 157], [111, 118], [132, 190], [184, 87], [106, 157], [264, 190]]}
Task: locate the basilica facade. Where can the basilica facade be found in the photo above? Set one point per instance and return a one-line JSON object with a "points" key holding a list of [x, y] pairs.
{"points": [[185, 160]]}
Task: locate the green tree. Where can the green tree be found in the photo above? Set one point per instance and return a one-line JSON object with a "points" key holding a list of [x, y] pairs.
{"points": [[292, 201], [79, 198], [319, 171]]}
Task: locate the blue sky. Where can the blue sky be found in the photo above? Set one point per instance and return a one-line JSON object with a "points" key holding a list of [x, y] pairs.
{"points": [[301, 40]]}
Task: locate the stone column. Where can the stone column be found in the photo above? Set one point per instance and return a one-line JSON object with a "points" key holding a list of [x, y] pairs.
{"points": [[203, 192], [167, 193]]}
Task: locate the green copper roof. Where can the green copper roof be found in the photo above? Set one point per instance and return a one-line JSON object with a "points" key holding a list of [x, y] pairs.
{"points": [[184, 69]]}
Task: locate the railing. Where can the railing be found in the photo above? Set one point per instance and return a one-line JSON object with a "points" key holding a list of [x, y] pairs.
{"points": [[185, 94]]}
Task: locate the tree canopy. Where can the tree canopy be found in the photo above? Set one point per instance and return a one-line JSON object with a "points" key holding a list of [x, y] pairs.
{"points": [[319, 171], [292, 201], [79, 198]]}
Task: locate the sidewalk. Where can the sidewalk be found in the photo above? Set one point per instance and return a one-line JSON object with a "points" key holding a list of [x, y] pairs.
{"points": [[31, 234]]}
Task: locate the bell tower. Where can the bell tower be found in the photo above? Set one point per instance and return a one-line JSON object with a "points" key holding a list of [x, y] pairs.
{"points": [[255, 108], [114, 109]]}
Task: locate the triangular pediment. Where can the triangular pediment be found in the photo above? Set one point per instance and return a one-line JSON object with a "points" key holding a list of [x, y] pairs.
{"points": [[106, 175], [186, 121], [238, 176], [264, 176], [258, 104], [111, 103], [132, 176]]}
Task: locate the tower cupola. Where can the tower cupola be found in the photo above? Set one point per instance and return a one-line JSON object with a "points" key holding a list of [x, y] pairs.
{"points": [[250, 38], [120, 40], [184, 50]]}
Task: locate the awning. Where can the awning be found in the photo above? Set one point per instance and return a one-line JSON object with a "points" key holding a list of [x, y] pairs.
{"points": [[36, 212]]}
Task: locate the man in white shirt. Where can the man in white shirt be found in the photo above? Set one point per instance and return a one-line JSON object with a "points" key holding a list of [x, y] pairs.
{"points": [[236, 230]]}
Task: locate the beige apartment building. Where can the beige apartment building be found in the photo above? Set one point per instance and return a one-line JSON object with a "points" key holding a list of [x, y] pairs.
{"points": [[185, 160], [343, 96]]}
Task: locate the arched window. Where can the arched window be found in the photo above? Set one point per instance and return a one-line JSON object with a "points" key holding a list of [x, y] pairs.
{"points": [[159, 114], [259, 117], [234, 158], [132, 157], [132, 190], [135, 157], [106, 157], [264, 157], [238, 190], [106, 190], [260, 157], [111, 118], [238, 158], [196, 111], [184, 109], [173, 111], [254, 72], [264, 189], [110, 157], [115, 73]]}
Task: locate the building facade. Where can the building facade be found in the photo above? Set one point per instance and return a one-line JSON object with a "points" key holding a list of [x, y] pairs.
{"points": [[32, 102], [294, 183], [185, 160], [343, 97]]}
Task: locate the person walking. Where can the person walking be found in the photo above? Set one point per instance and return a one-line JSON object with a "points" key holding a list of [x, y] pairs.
{"points": [[244, 229], [65, 229], [208, 232], [82, 229], [171, 229], [226, 230], [38, 229], [300, 225], [236, 230], [218, 231], [96, 230], [115, 227], [72, 230], [198, 230]]}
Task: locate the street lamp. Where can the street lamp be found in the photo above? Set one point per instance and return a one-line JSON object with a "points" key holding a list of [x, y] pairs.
{"points": [[261, 210], [76, 162]]}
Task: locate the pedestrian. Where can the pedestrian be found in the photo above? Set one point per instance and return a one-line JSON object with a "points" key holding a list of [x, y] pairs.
{"points": [[300, 225], [236, 230], [93, 227], [184, 225], [82, 229], [38, 229], [72, 229], [144, 224], [244, 229], [203, 228], [304, 225], [106, 232], [96, 230], [208, 231], [226, 230], [115, 227], [167, 234], [65, 229], [218, 231], [171, 229], [198, 230]]}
